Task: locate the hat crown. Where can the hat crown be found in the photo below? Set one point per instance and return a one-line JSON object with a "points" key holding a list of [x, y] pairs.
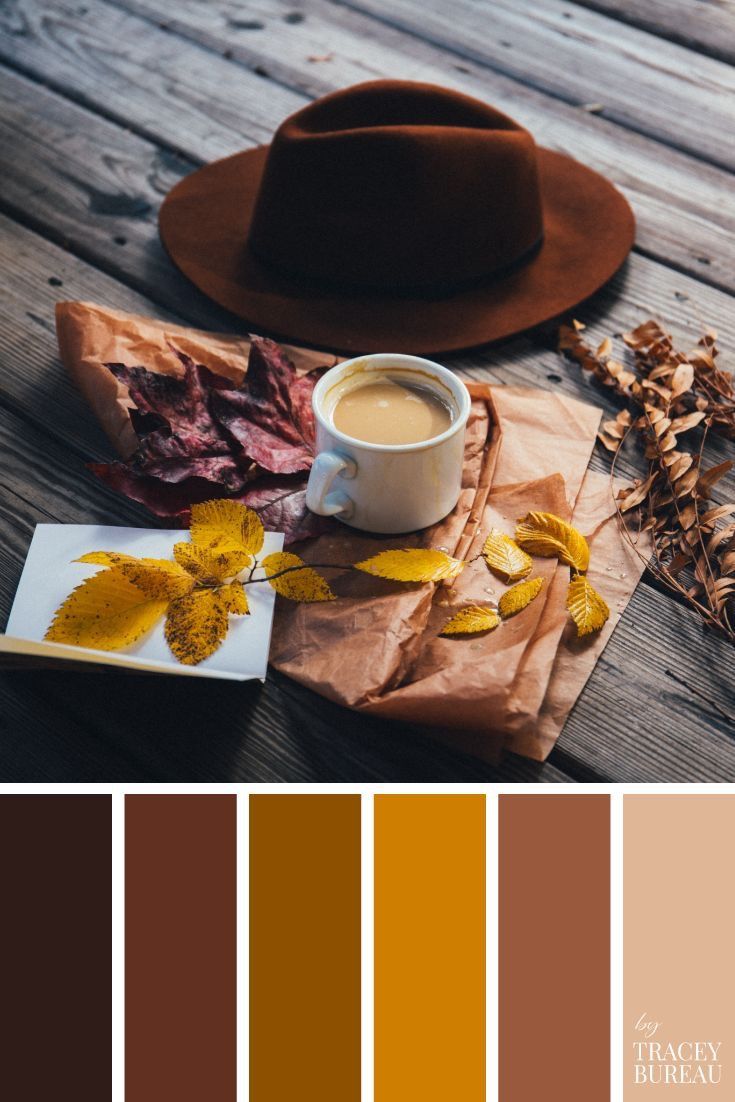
{"points": [[393, 185]]}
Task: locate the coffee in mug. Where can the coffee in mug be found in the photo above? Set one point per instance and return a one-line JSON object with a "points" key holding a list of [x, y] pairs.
{"points": [[390, 443], [391, 411]]}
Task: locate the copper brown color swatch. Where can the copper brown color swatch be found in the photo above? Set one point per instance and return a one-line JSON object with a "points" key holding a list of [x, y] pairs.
{"points": [[554, 948], [430, 948], [180, 948], [305, 948], [55, 932]]}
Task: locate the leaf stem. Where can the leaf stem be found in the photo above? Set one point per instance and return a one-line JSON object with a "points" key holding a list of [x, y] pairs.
{"points": [[302, 566]]}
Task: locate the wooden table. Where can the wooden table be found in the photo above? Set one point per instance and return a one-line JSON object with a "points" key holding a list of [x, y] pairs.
{"points": [[106, 105]]}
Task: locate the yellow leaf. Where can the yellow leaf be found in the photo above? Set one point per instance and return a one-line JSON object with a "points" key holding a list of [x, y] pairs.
{"points": [[210, 564], [106, 558], [227, 525], [298, 585], [157, 578], [505, 557], [412, 565], [197, 624], [587, 608], [105, 612], [548, 536], [472, 619], [515, 600]]}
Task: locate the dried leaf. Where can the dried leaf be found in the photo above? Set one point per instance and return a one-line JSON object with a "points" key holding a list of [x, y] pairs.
{"points": [[638, 494], [179, 437], [682, 379], [228, 526], [197, 624], [549, 536], [707, 480], [686, 482], [106, 612], [505, 557], [688, 421], [515, 600], [210, 565], [200, 438], [301, 584], [270, 416], [412, 565], [587, 608], [470, 620], [715, 514], [281, 505], [680, 465]]}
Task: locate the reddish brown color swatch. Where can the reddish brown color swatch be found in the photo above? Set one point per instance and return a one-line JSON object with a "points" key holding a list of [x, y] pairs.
{"points": [[55, 934], [180, 948], [554, 948], [304, 948]]}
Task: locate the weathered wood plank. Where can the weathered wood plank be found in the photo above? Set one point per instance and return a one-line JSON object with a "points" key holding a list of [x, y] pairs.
{"points": [[660, 704], [167, 89], [683, 207], [95, 188], [28, 350], [708, 26], [656, 87], [99, 727]]}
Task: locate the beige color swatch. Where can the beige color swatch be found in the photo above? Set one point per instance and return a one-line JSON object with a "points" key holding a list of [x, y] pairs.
{"points": [[679, 947]]}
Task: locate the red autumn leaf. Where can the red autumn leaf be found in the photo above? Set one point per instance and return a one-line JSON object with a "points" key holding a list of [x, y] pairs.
{"points": [[178, 436], [168, 500], [199, 438], [280, 502], [270, 416]]}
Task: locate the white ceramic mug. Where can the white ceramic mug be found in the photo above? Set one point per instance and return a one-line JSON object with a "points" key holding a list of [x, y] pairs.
{"points": [[388, 488]]}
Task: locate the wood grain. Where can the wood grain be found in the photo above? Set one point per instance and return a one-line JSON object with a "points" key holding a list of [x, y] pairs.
{"points": [[707, 26], [179, 95], [646, 83]]}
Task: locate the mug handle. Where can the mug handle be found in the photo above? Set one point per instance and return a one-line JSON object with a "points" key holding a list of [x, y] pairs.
{"points": [[325, 469]]}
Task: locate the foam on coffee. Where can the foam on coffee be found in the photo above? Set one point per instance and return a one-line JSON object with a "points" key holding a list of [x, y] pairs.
{"points": [[386, 411]]}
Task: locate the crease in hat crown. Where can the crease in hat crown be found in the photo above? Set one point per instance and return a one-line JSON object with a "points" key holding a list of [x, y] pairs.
{"points": [[398, 186]]}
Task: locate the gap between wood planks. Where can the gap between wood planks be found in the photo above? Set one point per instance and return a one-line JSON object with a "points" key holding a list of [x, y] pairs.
{"points": [[446, 26], [708, 28]]}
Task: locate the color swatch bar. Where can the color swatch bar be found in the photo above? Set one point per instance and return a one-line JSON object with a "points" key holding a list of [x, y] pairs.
{"points": [[429, 948], [679, 946], [55, 933], [554, 948], [305, 948], [180, 948]]}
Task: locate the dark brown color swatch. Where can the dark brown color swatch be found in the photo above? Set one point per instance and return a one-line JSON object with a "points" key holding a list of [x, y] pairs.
{"points": [[180, 948], [554, 948], [305, 948], [55, 939]]}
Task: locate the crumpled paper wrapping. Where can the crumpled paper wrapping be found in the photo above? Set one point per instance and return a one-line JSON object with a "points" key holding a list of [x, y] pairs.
{"points": [[90, 336], [377, 649]]}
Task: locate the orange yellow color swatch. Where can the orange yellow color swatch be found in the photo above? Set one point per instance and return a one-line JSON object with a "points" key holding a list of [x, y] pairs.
{"points": [[429, 948]]}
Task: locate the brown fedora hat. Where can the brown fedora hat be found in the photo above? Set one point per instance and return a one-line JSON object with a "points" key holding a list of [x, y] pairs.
{"points": [[400, 216]]}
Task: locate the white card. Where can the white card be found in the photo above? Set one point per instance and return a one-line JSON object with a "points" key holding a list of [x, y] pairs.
{"points": [[50, 574]]}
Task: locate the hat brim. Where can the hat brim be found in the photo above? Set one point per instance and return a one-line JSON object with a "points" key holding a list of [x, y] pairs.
{"points": [[588, 231]]}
